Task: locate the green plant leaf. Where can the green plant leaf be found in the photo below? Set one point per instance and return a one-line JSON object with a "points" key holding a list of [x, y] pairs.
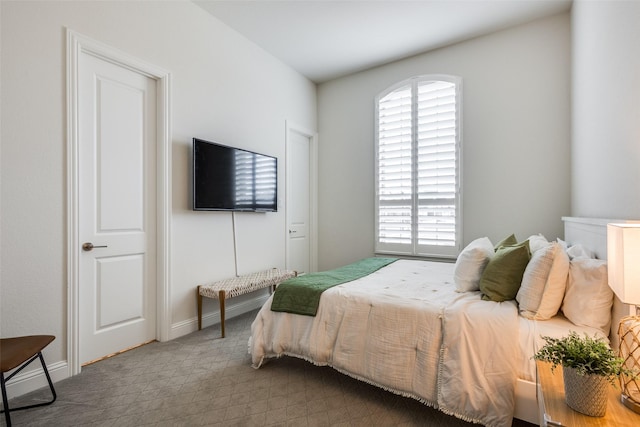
{"points": [[587, 355]]}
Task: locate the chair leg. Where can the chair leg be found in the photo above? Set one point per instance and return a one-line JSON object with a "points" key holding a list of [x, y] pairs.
{"points": [[5, 402], [54, 396]]}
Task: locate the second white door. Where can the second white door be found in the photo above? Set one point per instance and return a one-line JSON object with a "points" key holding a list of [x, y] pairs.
{"points": [[299, 200], [117, 207]]}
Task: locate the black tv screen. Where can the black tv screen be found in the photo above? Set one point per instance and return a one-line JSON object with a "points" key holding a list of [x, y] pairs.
{"points": [[227, 178]]}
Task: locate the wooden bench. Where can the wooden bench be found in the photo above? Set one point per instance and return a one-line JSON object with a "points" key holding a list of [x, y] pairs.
{"points": [[228, 288]]}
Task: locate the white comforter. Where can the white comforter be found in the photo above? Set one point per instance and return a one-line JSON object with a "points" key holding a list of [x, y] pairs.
{"points": [[405, 329]]}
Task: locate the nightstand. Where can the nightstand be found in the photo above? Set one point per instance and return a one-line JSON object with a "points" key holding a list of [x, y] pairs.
{"points": [[555, 412]]}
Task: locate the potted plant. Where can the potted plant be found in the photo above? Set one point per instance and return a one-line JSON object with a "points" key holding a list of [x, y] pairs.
{"points": [[588, 366]]}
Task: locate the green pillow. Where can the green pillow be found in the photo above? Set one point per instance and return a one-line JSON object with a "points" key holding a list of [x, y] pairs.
{"points": [[502, 276], [507, 241]]}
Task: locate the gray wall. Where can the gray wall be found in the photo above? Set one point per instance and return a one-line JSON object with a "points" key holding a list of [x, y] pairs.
{"points": [[515, 138], [606, 109]]}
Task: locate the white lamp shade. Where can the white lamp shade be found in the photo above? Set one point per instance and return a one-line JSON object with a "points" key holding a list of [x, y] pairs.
{"points": [[623, 261]]}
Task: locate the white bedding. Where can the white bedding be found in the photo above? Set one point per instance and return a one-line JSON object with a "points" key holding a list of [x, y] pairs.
{"points": [[405, 329], [530, 339]]}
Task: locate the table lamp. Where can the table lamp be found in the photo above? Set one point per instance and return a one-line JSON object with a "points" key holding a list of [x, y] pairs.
{"points": [[623, 253]]}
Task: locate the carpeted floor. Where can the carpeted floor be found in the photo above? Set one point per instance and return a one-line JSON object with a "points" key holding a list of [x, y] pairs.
{"points": [[202, 380]]}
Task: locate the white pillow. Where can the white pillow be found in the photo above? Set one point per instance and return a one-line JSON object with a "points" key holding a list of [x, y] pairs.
{"points": [[556, 285], [579, 251], [471, 263], [588, 299], [537, 242], [544, 283]]}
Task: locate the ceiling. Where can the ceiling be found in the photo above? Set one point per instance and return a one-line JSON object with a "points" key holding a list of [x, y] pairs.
{"points": [[325, 39]]}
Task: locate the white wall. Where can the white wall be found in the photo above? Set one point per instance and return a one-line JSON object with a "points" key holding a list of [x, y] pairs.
{"points": [[606, 109], [515, 138], [224, 88]]}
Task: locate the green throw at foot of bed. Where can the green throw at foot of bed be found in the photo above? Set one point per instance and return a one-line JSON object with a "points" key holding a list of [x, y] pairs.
{"points": [[301, 295]]}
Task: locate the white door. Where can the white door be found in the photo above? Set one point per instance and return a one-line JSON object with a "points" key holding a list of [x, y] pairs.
{"points": [[299, 201], [117, 207]]}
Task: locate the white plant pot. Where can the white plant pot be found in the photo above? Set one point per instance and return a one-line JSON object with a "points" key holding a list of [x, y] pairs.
{"points": [[586, 394]]}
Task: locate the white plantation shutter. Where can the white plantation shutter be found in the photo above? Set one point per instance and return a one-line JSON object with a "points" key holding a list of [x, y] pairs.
{"points": [[417, 168], [436, 186], [395, 167]]}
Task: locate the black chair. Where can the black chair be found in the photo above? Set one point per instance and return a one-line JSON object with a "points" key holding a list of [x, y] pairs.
{"points": [[18, 352]]}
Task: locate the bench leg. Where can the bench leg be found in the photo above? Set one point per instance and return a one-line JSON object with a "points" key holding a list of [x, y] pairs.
{"points": [[199, 307], [221, 300]]}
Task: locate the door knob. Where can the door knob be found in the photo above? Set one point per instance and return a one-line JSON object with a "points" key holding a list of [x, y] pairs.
{"points": [[88, 246]]}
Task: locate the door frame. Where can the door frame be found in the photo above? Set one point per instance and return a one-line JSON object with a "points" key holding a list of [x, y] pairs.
{"points": [[77, 45], [291, 127]]}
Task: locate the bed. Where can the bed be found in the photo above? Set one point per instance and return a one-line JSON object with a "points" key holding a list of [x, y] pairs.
{"points": [[420, 329]]}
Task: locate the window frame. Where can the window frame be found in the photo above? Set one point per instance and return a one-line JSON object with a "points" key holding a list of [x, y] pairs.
{"points": [[414, 249]]}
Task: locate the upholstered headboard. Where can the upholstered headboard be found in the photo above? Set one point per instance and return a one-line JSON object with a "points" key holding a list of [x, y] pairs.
{"points": [[592, 233]]}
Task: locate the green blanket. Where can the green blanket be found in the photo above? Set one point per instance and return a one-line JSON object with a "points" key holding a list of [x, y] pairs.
{"points": [[301, 295]]}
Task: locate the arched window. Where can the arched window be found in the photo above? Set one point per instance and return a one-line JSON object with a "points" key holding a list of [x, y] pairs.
{"points": [[418, 208]]}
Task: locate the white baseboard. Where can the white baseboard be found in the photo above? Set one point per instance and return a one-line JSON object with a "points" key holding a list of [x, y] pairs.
{"points": [[26, 382], [231, 310]]}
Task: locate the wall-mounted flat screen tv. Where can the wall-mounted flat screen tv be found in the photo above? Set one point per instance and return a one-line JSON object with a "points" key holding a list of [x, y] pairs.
{"points": [[232, 179]]}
